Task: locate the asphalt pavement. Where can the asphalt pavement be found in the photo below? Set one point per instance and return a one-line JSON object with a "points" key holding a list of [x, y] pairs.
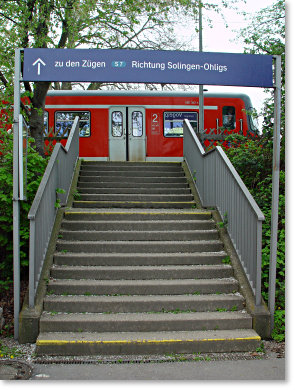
{"points": [[264, 369]]}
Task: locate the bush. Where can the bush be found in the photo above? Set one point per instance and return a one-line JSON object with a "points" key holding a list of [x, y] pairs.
{"points": [[35, 169], [263, 197], [253, 161], [278, 333]]}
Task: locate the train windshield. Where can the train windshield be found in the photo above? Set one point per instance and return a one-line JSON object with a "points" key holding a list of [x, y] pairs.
{"points": [[229, 117]]}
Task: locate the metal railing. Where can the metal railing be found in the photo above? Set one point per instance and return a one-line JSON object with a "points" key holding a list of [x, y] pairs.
{"points": [[219, 185], [58, 175]]}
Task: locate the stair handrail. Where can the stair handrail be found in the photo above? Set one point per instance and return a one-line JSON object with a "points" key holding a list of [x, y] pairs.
{"points": [[52, 193], [219, 185]]}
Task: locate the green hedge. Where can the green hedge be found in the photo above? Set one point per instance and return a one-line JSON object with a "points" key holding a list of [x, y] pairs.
{"points": [[253, 161], [35, 168]]}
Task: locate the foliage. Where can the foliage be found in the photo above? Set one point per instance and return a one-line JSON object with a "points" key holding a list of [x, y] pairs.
{"points": [[279, 328], [265, 34], [252, 157], [9, 352], [252, 160], [36, 166], [69, 24]]}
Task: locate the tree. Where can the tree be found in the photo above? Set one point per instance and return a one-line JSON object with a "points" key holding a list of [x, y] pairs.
{"points": [[87, 23], [67, 24], [265, 34]]}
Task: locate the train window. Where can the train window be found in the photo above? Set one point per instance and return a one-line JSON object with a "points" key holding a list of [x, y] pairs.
{"points": [[64, 121], [137, 123], [173, 122], [229, 117], [117, 124], [45, 129]]}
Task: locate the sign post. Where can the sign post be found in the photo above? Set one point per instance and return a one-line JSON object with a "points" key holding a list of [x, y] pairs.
{"points": [[275, 189], [201, 86], [16, 194], [144, 66]]}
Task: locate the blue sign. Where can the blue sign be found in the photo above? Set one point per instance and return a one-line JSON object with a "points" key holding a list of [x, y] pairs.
{"points": [[147, 66], [180, 116]]}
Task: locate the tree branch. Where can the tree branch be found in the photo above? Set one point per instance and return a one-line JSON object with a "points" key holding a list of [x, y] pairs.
{"points": [[3, 79], [8, 18]]}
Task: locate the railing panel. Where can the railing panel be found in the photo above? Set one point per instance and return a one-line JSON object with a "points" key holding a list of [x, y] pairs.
{"points": [[58, 174], [196, 161], [219, 185]]}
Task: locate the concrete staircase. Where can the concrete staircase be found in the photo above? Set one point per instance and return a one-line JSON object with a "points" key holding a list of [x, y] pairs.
{"points": [[138, 269]]}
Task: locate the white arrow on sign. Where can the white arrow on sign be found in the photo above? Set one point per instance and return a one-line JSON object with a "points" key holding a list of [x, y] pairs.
{"points": [[39, 62]]}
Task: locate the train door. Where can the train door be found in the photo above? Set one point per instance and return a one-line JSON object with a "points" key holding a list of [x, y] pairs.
{"points": [[127, 135]]}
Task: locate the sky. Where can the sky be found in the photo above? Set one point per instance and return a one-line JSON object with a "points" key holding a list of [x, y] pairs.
{"points": [[219, 38], [222, 39]]}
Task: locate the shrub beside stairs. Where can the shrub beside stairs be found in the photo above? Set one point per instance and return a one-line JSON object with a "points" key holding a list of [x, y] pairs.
{"points": [[138, 269]]}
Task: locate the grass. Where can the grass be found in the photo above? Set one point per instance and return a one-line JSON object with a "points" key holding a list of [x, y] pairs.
{"points": [[9, 352], [226, 260], [261, 348]]}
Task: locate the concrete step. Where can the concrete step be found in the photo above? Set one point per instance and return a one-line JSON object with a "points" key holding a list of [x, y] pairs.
{"points": [[139, 246], [138, 180], [159, 185], [216, 303], [137, 215], [131, 173], [133, 204], [138, 167], [142, 272], [106, 225], [134, 191], [143, 322], [143, 287], [111, 259], [129, 164], [128, 343], [156, 235], [163, 198]]}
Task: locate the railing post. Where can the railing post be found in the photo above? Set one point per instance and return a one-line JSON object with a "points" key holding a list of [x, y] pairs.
{"points": [[258, 263], [32, 263]]}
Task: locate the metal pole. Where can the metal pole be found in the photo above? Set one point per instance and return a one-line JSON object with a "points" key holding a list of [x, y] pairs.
{"points": [[258, 263], [275, 190], [16, 203], [201, 90], [32, 262]]}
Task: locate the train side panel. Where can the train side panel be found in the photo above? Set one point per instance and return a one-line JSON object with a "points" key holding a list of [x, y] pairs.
{"points": [[223, 114]]}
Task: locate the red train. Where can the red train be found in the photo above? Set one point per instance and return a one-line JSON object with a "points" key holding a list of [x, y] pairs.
{"points": [[143, 125]]}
